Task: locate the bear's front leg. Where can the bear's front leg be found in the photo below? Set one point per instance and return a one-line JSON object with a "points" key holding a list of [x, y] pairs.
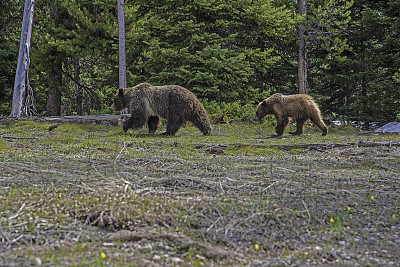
{"points": [[137, 120], [320, 123], [153, 123], [282, 123]]}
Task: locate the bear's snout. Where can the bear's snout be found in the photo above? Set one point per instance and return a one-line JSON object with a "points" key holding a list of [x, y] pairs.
{"points": [[259, 115]]}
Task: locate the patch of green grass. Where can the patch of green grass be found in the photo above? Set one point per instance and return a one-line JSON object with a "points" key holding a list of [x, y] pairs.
{"points": [[4, 146]]}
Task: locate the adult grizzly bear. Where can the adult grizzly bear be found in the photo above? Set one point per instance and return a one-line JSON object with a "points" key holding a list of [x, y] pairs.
{"points": [[300, 107], [147, 103]]}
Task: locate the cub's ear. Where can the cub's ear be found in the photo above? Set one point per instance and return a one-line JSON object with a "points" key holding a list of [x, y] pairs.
{"points": [[121, 91]]}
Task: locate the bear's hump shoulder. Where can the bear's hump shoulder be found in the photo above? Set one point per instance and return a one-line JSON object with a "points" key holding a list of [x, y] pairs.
{"points": [[277, 97], [142, 85]]}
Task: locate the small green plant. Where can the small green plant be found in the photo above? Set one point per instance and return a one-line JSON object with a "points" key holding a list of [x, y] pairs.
{"points": [[232, 112], [257, 247], [370, 197], [198, 262], [4, 147], [99, 260], [338, 220], [100, 112]]}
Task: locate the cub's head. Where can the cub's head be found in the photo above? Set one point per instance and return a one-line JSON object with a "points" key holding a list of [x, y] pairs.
{"points": [[262, 110], [118, 104], [265, 107]]}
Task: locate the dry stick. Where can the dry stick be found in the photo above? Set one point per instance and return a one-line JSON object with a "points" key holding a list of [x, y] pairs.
{"points": [[309, 215], [87, 187], [253, 215], [17, 214], [285, 169], [268, 187], [15, 137], [123, 148], [212, 225], [6, 236], [221, 187], [16, 239], [126, 182]]}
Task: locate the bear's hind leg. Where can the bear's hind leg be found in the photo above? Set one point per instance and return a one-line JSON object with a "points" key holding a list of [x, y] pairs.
{"points": [[299, 126], [173, 125], [153, 123]]}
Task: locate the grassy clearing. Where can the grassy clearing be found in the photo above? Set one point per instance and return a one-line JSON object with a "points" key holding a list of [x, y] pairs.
{"points": [[84, 195]]}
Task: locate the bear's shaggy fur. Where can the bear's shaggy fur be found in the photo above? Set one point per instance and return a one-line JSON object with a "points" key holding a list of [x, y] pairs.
{"points": [[147, 103], [300, 107]]}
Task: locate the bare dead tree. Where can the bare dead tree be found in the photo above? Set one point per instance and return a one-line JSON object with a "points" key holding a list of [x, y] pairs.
{"points": [[21, 76], [121, 35]]}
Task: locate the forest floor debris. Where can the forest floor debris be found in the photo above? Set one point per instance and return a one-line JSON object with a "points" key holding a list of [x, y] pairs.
{"points": [[92, 195]]}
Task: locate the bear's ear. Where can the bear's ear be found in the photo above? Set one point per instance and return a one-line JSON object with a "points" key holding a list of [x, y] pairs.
{"points": [[121, 91], [264, 103]]}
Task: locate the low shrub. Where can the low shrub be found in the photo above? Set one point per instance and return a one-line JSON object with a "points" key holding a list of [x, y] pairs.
{"points": [[234, 112]]}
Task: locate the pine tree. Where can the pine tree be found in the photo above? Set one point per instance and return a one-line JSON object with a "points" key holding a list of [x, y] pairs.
{"points": [[361, 83], [11, 13], [71, 30], [218, 49]]}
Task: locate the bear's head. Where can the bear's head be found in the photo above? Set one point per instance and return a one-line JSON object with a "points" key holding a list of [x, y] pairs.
{"points": [[261, 111], [119, 103], [266, 107]]}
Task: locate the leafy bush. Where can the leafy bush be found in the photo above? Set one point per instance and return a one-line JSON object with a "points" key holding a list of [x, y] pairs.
{"points": [[102, 111], [234, 112]]}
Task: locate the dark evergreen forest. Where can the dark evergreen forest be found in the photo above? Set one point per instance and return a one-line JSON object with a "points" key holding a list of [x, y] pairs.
{"points": [[229, 53]]}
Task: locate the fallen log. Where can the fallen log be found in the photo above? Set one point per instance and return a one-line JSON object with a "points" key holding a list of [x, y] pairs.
{"points": [[105, 119], [305, 146]]}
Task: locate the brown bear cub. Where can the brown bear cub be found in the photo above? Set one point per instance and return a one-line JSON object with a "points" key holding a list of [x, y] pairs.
{"points": [[147, 103], [300, 107]]}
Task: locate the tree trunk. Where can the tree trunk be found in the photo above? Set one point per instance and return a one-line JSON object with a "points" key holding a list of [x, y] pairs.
{"points": [[78, 90], [302, 68], [121, 35], [55, 85], [23, 60], [55, 73]]}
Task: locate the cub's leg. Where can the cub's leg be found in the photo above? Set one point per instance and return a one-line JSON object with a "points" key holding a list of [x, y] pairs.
{"points": [[299, 126]]}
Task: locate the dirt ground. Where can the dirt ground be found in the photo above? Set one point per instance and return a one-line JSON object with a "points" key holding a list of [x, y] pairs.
{"points": [[79, 195]]}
